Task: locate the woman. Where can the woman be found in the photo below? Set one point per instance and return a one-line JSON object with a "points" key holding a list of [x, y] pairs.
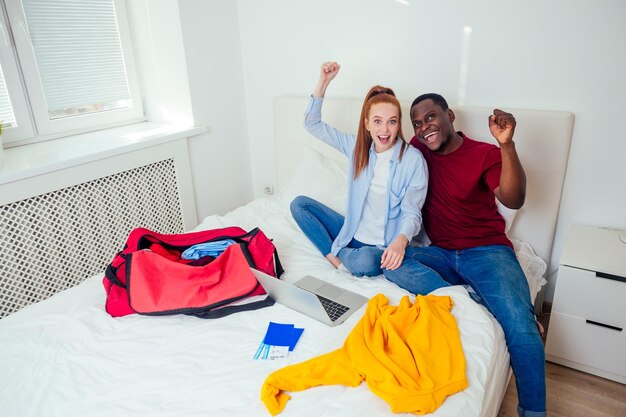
{"points": [[386, 188]]}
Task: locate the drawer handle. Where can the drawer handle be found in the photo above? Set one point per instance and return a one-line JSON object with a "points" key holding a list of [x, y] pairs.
{"points": [[610, 276], [608, 326]]}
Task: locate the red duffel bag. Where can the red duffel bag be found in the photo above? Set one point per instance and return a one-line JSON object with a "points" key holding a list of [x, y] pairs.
{"points": [[150, 277]]}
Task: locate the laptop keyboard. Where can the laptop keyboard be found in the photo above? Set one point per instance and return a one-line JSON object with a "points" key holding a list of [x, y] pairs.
{"points": [[333, 308]]}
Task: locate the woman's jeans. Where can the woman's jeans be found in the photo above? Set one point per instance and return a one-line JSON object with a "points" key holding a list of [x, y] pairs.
{"points": [[495, 274], [321, 225]]}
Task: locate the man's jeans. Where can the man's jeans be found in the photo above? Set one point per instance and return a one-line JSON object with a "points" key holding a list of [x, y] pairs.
{"points": [[494, 273], [321, 225]]}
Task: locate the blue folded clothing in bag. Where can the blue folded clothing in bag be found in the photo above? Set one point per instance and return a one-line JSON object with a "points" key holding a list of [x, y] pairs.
{"points": [[207, 249]]}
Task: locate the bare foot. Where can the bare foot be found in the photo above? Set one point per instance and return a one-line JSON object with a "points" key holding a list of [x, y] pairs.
{"points": [[333, 260]]}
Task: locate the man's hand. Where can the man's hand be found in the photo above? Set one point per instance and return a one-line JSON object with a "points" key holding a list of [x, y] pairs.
{"points": [[512, 189], [502, 126], [394, 254]]}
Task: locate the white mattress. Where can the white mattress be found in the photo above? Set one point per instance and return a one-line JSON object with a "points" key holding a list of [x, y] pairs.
{"points": [[66, 357]]}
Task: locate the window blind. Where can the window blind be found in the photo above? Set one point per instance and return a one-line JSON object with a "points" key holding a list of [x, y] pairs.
{"points": [[79, 58]]}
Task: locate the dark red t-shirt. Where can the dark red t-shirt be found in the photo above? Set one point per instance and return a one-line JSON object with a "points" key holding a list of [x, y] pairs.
{"points": [[460, 210]]}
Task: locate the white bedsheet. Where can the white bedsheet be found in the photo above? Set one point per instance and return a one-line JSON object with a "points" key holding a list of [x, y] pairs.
{"points": [[67, 357]]}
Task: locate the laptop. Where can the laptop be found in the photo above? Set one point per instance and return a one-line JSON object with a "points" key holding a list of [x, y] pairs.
{"points": [[311, 296]]}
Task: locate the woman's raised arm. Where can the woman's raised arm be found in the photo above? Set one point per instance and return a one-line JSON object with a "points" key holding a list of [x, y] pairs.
{"points": [[328, 71]]}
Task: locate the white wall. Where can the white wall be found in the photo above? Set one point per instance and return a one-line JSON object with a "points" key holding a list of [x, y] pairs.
{"points": [[557, 54], [189, 60], [220, 159], [160, 58]]}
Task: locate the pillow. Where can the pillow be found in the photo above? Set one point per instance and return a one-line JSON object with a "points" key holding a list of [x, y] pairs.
{"points": [[506, 213], [533, 266], [323, 179]]}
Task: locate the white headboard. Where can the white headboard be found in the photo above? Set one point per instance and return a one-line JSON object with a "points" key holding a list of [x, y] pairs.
{"points": [[542, 140]]}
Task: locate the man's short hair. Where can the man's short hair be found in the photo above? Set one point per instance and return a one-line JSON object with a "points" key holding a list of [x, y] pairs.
{"points": [[436, 98]]}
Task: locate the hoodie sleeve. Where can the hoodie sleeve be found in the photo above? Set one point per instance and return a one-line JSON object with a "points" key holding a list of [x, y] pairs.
{"points": [[330, 369]]}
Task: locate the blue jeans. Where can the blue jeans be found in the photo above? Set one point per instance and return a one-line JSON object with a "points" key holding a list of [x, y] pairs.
{"points": [[321, 225], [496, 276]]}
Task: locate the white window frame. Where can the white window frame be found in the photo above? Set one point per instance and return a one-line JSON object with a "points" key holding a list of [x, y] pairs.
{"points": [[15, 89], [46, 128]]}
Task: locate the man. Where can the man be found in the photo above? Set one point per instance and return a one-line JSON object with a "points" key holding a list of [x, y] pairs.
{"points": [[468, 242]]}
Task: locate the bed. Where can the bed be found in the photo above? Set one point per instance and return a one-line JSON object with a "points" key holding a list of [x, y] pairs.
{"points": [[65, 356]]}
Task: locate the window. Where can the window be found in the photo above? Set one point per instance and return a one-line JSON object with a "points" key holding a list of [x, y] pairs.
{"points": [[66, 67]]}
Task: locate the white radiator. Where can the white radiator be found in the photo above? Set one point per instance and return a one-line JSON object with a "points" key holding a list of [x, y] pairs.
{"points": [[53, 241]]}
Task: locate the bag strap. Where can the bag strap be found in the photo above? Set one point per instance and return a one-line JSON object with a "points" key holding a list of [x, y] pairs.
{"points": [[226, 311], [277, 265], [111, 274]]}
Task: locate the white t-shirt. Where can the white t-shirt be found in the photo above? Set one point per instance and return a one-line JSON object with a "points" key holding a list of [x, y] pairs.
{"points": [[371, 229]]}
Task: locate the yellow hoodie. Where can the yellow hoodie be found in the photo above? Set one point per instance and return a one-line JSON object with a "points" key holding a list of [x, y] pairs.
{"points": [[410, 355]]}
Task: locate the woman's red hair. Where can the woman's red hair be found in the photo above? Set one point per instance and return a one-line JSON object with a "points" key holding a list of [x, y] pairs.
{"points": [[375, 95]]}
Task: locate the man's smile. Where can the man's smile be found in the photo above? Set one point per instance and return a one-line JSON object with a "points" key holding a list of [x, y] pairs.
{"points": [[430, 137]]}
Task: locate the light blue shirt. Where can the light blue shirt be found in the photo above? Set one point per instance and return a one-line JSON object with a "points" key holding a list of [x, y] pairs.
{"points": [[407, 186], [200, 250]]}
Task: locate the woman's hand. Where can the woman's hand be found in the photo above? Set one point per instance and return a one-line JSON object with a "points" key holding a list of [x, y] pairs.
{"points": [[328, 72], [394, 254]]}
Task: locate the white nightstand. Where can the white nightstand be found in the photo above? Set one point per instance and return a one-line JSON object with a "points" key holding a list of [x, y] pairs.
{"points": [[587, 329]]}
